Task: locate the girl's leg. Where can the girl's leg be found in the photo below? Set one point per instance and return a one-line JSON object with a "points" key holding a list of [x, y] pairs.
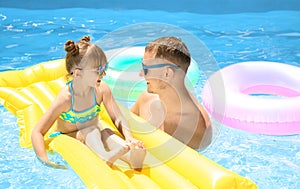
{"points": [[135, 157], [93, 140]]}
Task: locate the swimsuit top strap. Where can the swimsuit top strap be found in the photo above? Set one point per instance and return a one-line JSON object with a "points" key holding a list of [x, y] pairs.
{"points": [[72, 94], [95, 99]]}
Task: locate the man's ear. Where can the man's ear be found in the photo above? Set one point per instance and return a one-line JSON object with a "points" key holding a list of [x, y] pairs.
{"points": [[168, 73]]}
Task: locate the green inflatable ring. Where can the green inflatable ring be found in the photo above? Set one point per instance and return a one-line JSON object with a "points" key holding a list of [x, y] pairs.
{"points": [[123, 73]]}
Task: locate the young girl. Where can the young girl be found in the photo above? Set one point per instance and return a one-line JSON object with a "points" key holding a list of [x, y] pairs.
{"points": [[77, 106]]}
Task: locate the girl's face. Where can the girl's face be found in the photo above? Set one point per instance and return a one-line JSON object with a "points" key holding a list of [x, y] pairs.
{"points": [[93, 66], [94, 75]]}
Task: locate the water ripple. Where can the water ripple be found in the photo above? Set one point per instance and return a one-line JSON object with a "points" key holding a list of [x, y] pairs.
{"points": [[32, 36]]}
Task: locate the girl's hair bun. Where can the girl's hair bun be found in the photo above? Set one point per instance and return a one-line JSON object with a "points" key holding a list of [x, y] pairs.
{"points": [[71, 47], [85, 39]]}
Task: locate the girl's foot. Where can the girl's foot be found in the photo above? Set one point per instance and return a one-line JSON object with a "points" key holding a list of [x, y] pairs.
{"points": [[137, 156]]}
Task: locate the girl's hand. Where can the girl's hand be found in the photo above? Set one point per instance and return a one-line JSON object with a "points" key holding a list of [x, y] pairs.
{"points": [[134, 143], [55, 165], [52, 164]]}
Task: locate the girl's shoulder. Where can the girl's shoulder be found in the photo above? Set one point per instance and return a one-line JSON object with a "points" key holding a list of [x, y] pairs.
{"points": [[103, 87], [64, 95], [62, 102]]}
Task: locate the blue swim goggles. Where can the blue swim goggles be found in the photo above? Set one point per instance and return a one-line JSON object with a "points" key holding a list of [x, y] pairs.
{"points": [[145, 68], [100, 71]]}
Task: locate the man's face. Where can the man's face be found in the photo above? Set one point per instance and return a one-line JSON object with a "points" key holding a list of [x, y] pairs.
{"points": [[153, 75]]}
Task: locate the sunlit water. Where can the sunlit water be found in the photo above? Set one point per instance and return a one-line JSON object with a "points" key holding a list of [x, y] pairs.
{"points": [[32, 36]]}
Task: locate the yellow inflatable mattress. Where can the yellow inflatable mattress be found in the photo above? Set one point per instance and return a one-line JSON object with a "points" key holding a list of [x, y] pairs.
{"points": [[169, 164]]}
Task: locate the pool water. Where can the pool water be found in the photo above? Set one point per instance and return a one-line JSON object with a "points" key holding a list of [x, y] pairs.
{"points": [[32, 36]]}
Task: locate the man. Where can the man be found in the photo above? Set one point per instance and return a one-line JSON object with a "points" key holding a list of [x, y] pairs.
{"points": [[167, 103]]}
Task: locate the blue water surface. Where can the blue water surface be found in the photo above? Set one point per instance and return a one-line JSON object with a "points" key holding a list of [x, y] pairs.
{"points": [[29, 37]]}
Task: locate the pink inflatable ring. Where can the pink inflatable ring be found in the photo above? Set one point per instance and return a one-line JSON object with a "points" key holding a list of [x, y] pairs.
{"points": [[259, 97]]}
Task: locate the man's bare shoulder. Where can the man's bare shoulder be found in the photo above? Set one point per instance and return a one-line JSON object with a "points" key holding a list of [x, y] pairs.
{"points": [[202, 110], [143, 102], [145, 96], [149, 107]]}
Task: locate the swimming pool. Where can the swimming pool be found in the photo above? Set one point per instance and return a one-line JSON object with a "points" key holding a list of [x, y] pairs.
{"points": [[30, 36]]}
